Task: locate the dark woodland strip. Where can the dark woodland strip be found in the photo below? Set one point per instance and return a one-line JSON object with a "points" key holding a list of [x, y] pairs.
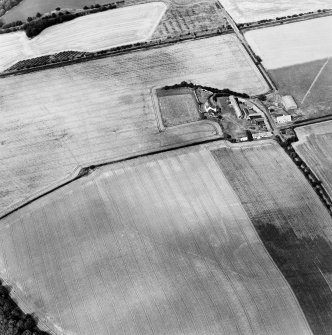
{"points": [[12, 320]]}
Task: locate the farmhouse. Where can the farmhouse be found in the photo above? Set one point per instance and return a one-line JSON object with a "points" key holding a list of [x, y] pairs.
{"points": [[288, 102]]}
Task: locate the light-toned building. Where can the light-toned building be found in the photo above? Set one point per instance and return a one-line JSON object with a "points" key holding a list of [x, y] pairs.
{"points": [[260, 135], [288, 102], [284, 119], [236, 107]]}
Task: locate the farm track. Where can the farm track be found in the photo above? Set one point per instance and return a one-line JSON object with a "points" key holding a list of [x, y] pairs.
{"points": [[148, 242]]}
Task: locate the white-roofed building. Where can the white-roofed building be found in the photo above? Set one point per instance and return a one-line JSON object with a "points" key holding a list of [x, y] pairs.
{"points": [[288, 102], [284, 119]]}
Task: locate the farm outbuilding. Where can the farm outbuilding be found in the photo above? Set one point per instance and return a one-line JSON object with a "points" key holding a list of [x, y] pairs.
{"points": [[284, 118], [236, 106], [288, 102]]}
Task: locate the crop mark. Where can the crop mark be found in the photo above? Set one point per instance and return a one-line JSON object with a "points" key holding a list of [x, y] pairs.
{"points": [[315, 80]]}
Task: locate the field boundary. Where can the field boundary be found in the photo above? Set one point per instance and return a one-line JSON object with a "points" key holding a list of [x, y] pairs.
{"points": [[82, 171], [42, 323], [308, 173], [267, 142], [156, 109], [247, 26], [115, 51], [159, 119]]}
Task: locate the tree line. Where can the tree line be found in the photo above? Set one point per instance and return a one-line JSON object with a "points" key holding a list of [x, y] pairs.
{"points": [[281, 18], [6, 5], [218, 93], [35, 25], [12, 319]]}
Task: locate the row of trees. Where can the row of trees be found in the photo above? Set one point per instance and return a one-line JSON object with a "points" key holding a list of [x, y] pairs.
{"points": [[35, 25], [12, 320], [6, 5], [315, 183], [77, 56], [281, 18], [218, 93]]}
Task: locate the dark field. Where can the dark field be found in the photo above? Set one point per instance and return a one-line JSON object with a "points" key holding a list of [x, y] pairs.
{"points": [[192, 18], [178, 107], [292, 223], [296, 80]]}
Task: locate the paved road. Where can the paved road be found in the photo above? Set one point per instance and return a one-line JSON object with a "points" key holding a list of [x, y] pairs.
{"points": [[244, 42]]}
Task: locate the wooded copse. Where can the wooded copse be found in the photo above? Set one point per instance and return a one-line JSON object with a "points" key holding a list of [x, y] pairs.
{"points": [[35, 25], [12, 320], [6, 5]]}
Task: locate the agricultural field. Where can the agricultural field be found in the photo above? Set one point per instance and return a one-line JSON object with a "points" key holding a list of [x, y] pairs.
{"points": [[292, 222], [315, 148], [299, 63], [155, 245], [310, 85], [178, 106], [57, 120], [254, 10], [292, 44], [93, 32], [191, 18]]}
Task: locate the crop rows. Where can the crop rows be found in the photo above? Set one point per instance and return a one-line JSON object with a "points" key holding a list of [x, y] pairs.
{"points": [[315, 148], [91, 33], [190, 19], [150, 246], [178, 109], [103, 110], [291, 220], [45, 60]]}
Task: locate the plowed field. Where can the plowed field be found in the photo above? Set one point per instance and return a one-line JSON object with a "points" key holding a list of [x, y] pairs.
{"points": [[315, 148], [57, 120], [291, 220], [158, 245], [88, 33]]}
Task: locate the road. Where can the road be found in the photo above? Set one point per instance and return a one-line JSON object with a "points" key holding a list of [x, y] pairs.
{"points": [[246, 45]]}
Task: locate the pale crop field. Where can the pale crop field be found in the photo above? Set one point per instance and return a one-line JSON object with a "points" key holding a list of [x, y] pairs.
{"points": [[155, 245], [291, 44], [56, 120], [291, 220], [315, 148], [254, 10], [93, 32]]}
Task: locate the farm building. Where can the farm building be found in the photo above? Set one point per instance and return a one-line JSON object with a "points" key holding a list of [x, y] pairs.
{"points": [[288, 102], [284, 118], [208, 107], [260, 135], [236, 106]]}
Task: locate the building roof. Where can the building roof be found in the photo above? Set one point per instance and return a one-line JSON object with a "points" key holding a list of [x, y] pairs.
{"points": [[288, 102]]}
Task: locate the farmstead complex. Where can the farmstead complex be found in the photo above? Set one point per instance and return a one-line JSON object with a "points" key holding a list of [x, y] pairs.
{"points": [[163, 172]]}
